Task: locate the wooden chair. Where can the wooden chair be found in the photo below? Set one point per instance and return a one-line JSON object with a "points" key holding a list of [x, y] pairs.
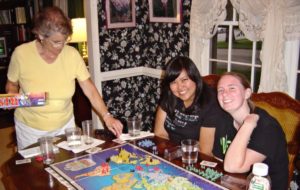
{"points": [[287, 112], [283, 108], [211, 80]]}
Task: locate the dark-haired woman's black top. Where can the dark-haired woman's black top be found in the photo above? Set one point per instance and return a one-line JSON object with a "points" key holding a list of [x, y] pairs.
{"points": [[186, 124]]}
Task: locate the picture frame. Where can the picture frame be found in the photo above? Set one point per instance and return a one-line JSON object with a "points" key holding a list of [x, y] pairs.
{"points": [[165, 11], [120, 13], [3, 48]]}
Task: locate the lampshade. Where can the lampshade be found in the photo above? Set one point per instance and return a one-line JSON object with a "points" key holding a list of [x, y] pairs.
{"points": [[79, 30]]}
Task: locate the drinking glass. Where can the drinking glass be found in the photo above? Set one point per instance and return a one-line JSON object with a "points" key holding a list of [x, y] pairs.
{"points": [[88, 131], [134, 126], [73, 136], [189, 149], [46, 146]]}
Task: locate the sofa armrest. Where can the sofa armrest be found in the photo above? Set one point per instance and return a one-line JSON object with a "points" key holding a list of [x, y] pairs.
{"points": [[293, 147]]}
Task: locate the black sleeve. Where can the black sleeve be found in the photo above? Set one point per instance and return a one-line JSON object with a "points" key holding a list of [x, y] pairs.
{"points": [[266, 135]]}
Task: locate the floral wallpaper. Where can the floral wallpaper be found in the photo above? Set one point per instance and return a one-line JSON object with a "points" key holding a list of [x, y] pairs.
{"points": [[147, 44]]}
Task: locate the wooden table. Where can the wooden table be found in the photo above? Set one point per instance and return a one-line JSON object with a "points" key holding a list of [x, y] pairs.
{"points": [[33, 176]]}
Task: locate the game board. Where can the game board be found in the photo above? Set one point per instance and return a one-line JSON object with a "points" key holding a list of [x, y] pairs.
{"points": [[128, 167]]}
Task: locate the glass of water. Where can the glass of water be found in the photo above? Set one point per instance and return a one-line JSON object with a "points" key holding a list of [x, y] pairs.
{"points": [[88, 131], [134, 126], [73, 136], [46, 146], [190, 148]]}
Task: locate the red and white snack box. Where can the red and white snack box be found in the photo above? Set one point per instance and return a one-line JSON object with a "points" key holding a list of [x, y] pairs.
{"points": [[22, 100]]}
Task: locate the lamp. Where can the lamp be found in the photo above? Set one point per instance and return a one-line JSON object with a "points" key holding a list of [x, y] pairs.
{"points": [[79, 35]]}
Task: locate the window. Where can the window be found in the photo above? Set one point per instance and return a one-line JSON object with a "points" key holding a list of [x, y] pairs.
{"points": [[231, 51]]}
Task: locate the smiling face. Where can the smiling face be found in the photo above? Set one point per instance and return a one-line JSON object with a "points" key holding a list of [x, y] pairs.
{"points": [[232, 95], [184, 88]]}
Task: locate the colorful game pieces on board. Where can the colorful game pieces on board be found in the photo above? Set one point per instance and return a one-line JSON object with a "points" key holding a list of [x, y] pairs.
{"points": [[145, 143], [207, 173]]}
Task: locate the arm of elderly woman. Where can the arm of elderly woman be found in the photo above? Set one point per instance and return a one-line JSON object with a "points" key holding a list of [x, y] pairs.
{"points": [[90, 90], [12, 87], [238, 157]]}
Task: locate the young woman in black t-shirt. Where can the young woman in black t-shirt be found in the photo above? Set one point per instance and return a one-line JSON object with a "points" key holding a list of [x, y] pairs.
{"points": [[252, 134], [188, 108]]}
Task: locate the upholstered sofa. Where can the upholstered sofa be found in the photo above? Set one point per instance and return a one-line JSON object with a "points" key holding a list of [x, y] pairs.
{"points": [[282, 107]]}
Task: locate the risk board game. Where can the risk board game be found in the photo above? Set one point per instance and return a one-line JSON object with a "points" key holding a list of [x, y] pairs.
{"points": [[128, 167]]}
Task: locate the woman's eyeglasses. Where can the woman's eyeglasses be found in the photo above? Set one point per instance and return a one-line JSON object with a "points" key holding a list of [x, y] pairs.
{"points": [[57, 44]]}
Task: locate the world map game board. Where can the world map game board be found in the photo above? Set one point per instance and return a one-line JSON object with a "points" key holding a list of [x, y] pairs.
{"points": [[128, 167]]}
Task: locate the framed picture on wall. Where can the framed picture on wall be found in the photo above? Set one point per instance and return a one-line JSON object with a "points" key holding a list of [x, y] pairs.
{"points": [[120, 13], [3, 49], [165, 11]]}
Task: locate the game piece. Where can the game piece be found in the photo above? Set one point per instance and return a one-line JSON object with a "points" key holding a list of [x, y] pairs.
{"points": [[39, 158], [154, 150], [166, 154], [22, 100]]}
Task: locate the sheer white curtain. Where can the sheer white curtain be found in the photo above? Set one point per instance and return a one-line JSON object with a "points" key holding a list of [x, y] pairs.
{"points": [[274, 22], [206, 15]]}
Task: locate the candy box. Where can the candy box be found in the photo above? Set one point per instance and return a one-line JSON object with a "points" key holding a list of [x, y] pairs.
{"points": [[22, 100]]}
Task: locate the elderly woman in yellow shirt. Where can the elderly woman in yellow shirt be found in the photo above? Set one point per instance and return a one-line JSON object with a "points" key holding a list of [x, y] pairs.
{"points": [[47, 64]]}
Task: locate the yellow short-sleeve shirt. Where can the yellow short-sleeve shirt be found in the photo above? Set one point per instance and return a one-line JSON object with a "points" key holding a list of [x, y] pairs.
{"points": [[57, 79]]}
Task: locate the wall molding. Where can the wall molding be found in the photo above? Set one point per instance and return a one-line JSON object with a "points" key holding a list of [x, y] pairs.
{"points": [[131, 72]]}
